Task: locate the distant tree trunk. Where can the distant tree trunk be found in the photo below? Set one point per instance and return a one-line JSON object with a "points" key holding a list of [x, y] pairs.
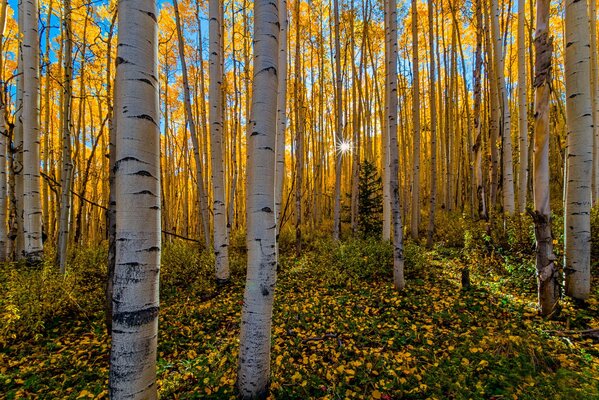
{"points": [[339, 124], [522, 113], [391, 100], [478, 141], [67, 158], [580, 154], [547, 274], [507, 187], [281, 112], [192, 126], [137, 185], [299, 132], [4, 143], [494, 117], [415, 221], [433, 112], [256, 318], [221, 239], [111, 211], [32, 206]]}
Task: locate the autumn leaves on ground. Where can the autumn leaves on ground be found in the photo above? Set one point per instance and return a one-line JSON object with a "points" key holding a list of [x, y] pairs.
{"points": [[339, 328]]}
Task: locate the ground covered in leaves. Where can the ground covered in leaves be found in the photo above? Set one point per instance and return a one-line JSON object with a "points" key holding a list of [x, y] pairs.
{"points": [[339, 331]]}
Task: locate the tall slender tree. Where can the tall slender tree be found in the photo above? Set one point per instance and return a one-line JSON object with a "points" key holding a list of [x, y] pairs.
{"points": [[256, 317], [415, 221], [221, 238], [522, 110], [32, 206], [339, 123], [137, 184], [433, 126], [580, 154], [547, 274]]}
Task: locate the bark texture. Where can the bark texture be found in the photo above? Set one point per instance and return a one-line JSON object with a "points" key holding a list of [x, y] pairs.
{"points": [[256, 317], [580, 154], [137, 186]]}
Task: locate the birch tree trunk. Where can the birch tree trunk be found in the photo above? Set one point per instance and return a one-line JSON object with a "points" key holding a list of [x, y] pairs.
{"points": [[191, 124], [67, 159], [580, 154], [32, 207], [547, 274], [256, 317], [137, 185], [415, 221], [391, 99], [339, 125], [433, 112], [522, 110], [507, 188], [221, 238]]}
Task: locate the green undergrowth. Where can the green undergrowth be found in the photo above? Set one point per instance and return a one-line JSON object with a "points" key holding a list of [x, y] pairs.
{"points": [[339, 328]]}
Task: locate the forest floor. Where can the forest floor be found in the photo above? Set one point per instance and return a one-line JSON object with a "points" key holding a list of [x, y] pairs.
{"points": [[337, 337]]}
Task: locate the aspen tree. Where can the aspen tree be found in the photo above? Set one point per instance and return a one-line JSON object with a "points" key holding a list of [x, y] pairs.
{"points": [[391, 125], [32, 207], [594, 97], [522, 113], [580, 154], [4, 140], [339, 124], [256, 318], [415, 221], [547, 274], [281, 111], [191, 124], [137, 186], [67, 158], [221, 239], [433, 112], [299, 131], [478, 131]]}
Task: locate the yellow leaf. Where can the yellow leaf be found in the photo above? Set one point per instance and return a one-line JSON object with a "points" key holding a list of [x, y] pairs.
{"points": [[84, 393], [376, 394], [465, 361]]}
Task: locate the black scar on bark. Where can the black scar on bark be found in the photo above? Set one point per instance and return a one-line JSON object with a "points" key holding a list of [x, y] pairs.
{"points": [[266, 209], [136, 318]]}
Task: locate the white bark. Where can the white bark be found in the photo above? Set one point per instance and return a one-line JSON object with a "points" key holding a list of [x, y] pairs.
{"points": [[221, 237], [415, 206], [433, 113], [391, 82], [547, 274], [339, 124], [580, 155], [32, 207], [522, 111], [67, 160], [192, 126], [137, 185], [507, 167], [4, 135], [594, 97], [281, 111], [256, 318]]}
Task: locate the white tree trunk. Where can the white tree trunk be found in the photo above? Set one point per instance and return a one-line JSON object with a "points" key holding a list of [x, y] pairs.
{"points": [[256, 317], [415, 206], [594, 97], [339, 124], [67, 159], [32, 206], [547, 274], [4, 135], [221, 237], [507, 163], [203, 206], [433, 126], [522, 111], [580, 154], [137, 185], [391, 82], [281, 112]]}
